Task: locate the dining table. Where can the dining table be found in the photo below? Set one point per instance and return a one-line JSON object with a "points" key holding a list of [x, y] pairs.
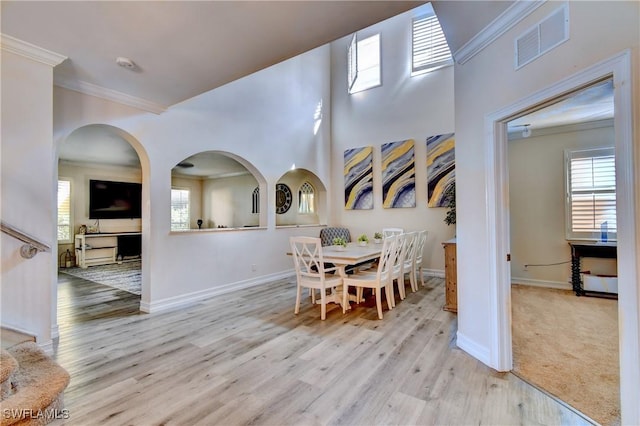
{"points": [[342, 257]]}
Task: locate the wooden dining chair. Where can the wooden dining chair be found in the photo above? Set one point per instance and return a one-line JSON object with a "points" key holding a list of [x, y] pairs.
{"points": [[408, 262], [417, 263], [392, 231], [311, 272], [377, 279]]}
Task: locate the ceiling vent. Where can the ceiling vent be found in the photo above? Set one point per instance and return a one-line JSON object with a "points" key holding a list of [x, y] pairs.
{"points": [[540, 39]]}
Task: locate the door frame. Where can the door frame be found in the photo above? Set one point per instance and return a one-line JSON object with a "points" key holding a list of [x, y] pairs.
{"points": [[496, 162]]}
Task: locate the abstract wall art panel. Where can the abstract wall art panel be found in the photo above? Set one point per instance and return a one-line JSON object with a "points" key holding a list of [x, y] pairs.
{"points": [[358, 178], [441, 163], [398, 174]]}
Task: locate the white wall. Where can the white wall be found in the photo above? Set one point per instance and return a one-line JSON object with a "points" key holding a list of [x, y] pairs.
{"points": [[402, 108], [267, 120], [537, 205], [228, 201], [27, 194], [488, 83]]}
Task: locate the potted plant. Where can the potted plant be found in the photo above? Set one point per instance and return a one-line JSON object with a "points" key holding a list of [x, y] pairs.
{"points": [[340, 243], [377, 238], [363, 240], [449, 197]]}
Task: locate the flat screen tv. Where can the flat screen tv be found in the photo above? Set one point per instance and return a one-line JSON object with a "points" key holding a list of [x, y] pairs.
{"points": [[114, 200]]}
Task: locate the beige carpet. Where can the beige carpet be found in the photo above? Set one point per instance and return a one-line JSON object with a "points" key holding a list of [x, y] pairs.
{"points": [[568, 346]]}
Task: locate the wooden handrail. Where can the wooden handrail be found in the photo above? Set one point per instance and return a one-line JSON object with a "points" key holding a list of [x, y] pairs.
{"points": [[31, 247]]}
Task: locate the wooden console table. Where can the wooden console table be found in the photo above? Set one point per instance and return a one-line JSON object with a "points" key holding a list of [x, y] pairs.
{"points": [[450, 276], [580, 250], [105, 248]]}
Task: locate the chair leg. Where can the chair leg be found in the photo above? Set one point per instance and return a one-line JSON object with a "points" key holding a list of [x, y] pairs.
{"points": [[323, 302], [379, 303], [298, 295], [312, 292], [391, 298], [421, 275], [345, 298], [412, 280]]}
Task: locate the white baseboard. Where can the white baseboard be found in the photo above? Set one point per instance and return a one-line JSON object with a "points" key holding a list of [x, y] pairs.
{"points": [[481, 353], [47, 347], [55, 331], [541, 283], [433, 273], [198, 296]]}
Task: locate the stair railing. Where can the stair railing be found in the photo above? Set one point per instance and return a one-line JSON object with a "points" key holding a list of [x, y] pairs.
{"points": [[31, 247]]}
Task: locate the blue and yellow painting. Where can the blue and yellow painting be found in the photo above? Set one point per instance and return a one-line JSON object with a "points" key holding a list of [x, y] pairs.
{"points": [[358, 178], [398, 174], [441, 173]]}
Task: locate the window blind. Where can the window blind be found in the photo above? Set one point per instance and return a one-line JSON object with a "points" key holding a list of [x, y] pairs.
{"points": [[179, 209], [429, 45], [64, 211], [592, 191]]}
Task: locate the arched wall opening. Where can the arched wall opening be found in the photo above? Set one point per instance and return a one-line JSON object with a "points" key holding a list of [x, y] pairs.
{"points": [[300, 199]]}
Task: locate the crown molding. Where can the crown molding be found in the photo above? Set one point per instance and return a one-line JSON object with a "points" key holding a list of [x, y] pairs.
{"points": [[30, 51], [515, 13], [108, 94]]}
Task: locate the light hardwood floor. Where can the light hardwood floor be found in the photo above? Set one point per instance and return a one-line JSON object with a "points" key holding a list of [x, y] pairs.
{"points": [[245, 358]]}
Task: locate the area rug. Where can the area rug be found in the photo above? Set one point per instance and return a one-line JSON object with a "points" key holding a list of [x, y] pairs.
{"points": [[568, 346], [126, 276]]}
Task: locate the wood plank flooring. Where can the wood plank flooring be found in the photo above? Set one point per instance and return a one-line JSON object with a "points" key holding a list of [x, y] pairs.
{"points": [[246, 359]]}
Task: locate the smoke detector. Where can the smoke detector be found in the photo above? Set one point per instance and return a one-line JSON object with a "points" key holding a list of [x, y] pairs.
{"points": [[125, 62]]}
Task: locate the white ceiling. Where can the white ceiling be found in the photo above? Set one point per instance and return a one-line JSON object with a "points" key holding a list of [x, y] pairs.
{"points": [[184, 48]]}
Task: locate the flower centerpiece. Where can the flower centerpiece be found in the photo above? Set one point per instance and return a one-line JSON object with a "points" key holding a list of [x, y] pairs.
{"points": [[340, 243], [377, 238], [363, 240]]}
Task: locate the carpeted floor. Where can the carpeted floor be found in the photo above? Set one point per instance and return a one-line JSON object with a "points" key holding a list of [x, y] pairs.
{"points": [[126, 276], [568, 346]]}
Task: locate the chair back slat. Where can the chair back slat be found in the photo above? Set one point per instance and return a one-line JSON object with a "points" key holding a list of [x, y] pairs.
{"points": [[387, 258], [307, 256]]}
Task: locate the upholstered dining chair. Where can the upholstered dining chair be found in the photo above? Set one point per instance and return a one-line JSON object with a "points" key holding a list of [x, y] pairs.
{"points": [[392, 231], [328, 234], [377, 279], [311, 272]]}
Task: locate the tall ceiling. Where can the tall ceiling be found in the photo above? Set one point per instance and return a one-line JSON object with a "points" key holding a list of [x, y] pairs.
{"points": [[184, 48]]}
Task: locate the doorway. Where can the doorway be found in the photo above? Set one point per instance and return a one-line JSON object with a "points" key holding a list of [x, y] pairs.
{"points": [[619, 68], [562, 188]]}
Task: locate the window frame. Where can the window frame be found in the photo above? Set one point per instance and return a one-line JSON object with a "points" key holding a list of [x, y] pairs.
{"points": [[428, 66], [355, 61], [255, 200], [311, 203], [171, 222], [595, 233], [70, 202]]}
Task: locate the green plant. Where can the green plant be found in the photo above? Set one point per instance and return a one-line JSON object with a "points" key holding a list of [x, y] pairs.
{"points": [[377, 236], [363, 238], [339, 241], [449, 197]]}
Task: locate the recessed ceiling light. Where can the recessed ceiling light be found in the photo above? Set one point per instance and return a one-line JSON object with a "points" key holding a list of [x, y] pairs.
{"points": [[125, 62]]}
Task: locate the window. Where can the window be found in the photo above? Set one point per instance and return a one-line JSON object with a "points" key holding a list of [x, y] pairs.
{"points": [[255, 200], [591, 193], [363, 63], [306, 203], [429, 47], [179, 209], [64, 211]]}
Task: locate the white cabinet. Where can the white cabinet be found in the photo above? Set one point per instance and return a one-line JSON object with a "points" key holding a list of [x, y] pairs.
{"points": [[95, 249]]}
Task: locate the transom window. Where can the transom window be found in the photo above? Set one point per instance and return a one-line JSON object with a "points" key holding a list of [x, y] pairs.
{"points": [[591, 194], [64, 211], [429, 46], [363, 63], [179, 209], [306, 200]]}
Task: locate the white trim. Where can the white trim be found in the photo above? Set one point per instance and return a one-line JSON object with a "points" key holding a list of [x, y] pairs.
{"points": [[476, 350], [199, 296], [31, 51], [55, 331], [433, 273], [541, 283], [108, 94], [628, 245], [504, 22], [47, 347]]}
